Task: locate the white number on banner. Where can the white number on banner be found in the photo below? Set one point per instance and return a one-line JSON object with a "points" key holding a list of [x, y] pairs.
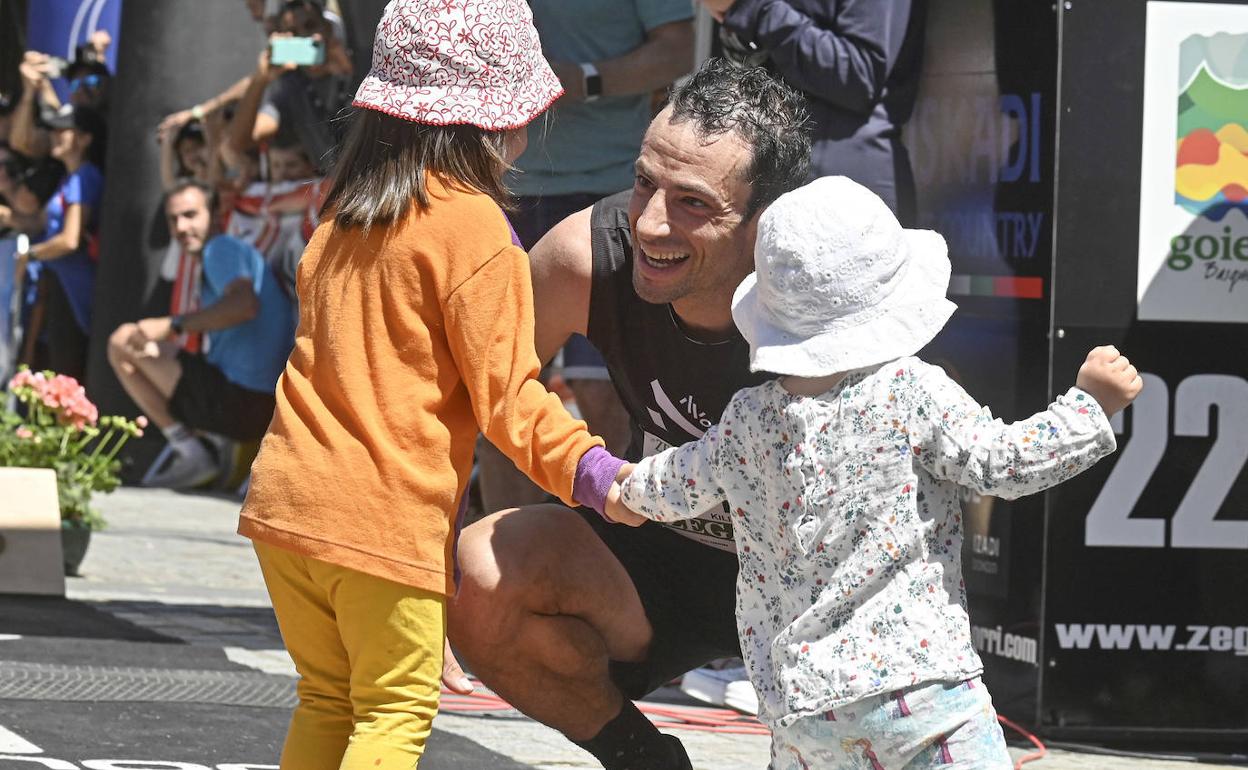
{"points": [[1193, 524]]}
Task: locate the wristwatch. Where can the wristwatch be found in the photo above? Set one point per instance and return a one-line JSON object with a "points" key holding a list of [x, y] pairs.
{"points": [[23, 245], [593, 81], [175, 323]]}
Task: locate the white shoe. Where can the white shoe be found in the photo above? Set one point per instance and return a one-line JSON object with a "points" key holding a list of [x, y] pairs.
{"points": [[184, 467], [722, 687]]}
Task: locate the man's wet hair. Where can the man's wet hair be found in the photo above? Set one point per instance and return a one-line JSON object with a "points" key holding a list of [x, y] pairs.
{"points": [[770, 116]]}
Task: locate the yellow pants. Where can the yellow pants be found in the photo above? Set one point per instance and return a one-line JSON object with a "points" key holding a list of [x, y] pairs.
{"points": [[369, 654]]}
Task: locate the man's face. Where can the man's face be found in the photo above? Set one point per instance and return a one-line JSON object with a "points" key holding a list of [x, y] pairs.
{"points": [[190, 219], [691, 241]]}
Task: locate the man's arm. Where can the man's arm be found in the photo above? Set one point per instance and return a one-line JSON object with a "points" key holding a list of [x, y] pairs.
{"points": [[846, 64], [562, 267], [666, 54], [250, 126], [238, 304]]}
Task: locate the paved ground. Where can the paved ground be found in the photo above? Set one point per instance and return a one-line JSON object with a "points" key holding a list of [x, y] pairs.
{"points": [[165, 655]]}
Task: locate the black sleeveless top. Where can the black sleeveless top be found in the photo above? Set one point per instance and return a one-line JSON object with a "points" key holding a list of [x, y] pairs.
{"points": [[673, 387]]}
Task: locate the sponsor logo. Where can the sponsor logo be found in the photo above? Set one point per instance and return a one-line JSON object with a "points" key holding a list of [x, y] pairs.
{"points": [[1193, 263], [995, 641], [1169, 638]]}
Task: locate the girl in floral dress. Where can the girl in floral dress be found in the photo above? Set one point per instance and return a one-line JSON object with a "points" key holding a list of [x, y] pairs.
{"points": [[844, 476]]}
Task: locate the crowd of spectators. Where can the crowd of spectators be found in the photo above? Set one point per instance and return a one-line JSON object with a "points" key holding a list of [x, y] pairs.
{"points": [[241, 175]]}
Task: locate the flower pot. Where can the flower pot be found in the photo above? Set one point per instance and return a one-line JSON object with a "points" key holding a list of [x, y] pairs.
{"points": [[74, 542]]}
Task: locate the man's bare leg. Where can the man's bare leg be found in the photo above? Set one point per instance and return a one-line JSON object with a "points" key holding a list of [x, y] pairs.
{"points": [[148, 380], [542, 607]]}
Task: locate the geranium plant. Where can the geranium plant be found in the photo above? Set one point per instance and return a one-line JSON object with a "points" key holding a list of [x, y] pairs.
{"points": [[54, 425]]}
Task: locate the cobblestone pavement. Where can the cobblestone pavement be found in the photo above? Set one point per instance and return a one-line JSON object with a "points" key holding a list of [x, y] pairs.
{"points": [[170, 563]]}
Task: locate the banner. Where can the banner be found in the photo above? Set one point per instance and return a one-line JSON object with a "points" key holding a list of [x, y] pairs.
{"points": [[1193, 247]]}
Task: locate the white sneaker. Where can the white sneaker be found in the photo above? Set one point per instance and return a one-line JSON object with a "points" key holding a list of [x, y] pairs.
{"points": [[722, 687], [185, 467]]}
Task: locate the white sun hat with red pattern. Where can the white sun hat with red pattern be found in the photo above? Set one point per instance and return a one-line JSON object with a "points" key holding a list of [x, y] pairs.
{"points": [[447, 62]]}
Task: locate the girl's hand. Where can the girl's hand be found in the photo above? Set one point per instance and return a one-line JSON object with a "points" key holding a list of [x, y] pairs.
{"points": [[1110, 378], [620, 513]]}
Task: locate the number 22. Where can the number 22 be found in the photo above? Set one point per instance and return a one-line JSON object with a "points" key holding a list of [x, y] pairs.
{"points": [[1193, 524]]}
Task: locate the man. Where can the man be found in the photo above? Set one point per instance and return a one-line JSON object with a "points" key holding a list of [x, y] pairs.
{"points": [[294, 105], [249, 325], [610, 56], [858, 64], [567, 616]]}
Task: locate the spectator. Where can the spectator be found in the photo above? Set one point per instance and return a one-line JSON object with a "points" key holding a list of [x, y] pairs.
{"points": [[184, 154], [857, 62], [294, 105], [278, 216], [610, 56], [249, 324], [69, 248], [89, 81]]}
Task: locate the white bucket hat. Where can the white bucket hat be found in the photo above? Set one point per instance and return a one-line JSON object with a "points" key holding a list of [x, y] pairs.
{"points": [[839, 284], [445, 62]]}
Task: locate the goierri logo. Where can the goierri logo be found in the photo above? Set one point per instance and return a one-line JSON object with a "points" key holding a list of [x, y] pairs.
{"points": [[1194, 174]]}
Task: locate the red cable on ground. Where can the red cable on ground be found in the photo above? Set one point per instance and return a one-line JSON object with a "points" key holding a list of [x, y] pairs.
{"points": [[1035, 741]]}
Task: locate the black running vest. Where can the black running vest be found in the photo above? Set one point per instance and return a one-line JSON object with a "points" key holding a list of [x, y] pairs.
{"points": [[673, 387]]}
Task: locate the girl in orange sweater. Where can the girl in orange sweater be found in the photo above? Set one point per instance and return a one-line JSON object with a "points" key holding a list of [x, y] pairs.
{"points": [[415, 331]]}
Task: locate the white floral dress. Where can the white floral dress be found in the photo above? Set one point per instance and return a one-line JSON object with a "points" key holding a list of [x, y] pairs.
{"points": [[848, 525]]}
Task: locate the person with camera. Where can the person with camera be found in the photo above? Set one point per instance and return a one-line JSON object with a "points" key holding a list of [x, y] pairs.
{"points": [[69, 249], [88, 79], [298, 86]]}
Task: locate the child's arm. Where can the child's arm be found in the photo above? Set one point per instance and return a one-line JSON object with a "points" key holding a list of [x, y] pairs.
{"points": [[956, 439], [489, 327], [677, 483]]}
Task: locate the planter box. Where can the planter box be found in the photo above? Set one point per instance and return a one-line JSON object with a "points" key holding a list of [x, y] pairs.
{"points": [[31, 560]]}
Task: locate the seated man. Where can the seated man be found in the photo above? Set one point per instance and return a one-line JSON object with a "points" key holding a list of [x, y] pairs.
{"points": [[249, 324]]}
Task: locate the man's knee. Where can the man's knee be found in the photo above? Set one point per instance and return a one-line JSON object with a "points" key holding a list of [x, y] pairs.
{"points": [[507, 561]]}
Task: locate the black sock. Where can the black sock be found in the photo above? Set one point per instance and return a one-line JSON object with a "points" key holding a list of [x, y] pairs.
{"points": [[632, 742]]}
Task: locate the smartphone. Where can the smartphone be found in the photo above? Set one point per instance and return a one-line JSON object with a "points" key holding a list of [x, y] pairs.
{"points": [[300, 51]]}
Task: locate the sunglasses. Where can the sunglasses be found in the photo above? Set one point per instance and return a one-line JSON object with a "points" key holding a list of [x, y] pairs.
{"points": [[88, 81]]}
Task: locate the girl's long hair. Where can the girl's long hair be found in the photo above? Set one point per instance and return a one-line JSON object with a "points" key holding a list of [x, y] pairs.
{"points": [[384, 161]]}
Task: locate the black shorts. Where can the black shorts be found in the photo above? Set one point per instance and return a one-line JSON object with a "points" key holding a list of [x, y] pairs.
{"points": [[688, 591], [205, 400]]}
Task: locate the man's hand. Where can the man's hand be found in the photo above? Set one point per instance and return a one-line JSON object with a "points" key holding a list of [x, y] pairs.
{"points": [[453, 677], [155, 329], [1110, 378], [718, 8]]}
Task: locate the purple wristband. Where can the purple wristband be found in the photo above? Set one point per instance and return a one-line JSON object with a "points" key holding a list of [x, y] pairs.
{"points": [[595, 474]]}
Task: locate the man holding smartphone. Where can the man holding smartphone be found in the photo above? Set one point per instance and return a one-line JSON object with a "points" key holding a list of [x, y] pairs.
{"points": [[299, 85]]}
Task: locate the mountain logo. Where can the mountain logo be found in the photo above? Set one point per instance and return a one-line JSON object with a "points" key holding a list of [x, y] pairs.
{"points": [[1211, 165]]}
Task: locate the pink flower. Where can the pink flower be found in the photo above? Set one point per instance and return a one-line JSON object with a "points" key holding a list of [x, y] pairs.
{"points": [[24, 432], [141, 421]]}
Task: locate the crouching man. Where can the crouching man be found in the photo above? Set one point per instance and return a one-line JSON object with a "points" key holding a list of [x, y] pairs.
{"points": [[247, 326]]}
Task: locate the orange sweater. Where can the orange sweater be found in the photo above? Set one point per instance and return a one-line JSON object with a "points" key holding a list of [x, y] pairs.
{"points": [[408, 340]]}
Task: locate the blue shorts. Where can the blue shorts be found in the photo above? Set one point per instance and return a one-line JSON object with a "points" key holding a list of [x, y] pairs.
{"points": [[938, 725]]}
